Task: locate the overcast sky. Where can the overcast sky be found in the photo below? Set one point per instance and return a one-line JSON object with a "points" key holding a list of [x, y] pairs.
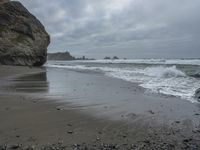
{"points": [[126, 28]]}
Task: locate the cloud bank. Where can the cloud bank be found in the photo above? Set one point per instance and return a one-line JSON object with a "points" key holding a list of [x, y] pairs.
{"points": [[127, 28]]}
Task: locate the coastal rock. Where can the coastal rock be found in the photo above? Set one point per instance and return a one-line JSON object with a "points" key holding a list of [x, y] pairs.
{"points": [[107, 57], [196, 75], [23, 39], [197, 94], [60, 56], [115, 57]]}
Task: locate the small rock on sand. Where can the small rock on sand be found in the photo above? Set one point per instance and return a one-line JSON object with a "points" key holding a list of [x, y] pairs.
{"points": [[151, 112], [70, 132]]}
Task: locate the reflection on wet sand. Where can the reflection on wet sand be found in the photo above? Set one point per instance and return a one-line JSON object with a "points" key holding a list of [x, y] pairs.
{"points": [[101, 95], [31, 83]]}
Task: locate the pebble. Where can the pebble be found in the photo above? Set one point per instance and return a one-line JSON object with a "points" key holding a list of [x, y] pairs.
{"points": [[150, 111], [177, 121], [196, 131], [3, 147], [70, 132], [69, 125], [97, 138], [146, 141], [100, 132], [30, 148], [187, 140], [15, 146]]}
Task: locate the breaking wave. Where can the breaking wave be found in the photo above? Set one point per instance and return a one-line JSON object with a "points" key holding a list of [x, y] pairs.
{"points": [[168, 80], [165, 72], [149, 61]]}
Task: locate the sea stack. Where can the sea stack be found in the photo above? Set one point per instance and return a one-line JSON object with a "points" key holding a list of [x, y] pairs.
{"points": [[23, 39]]}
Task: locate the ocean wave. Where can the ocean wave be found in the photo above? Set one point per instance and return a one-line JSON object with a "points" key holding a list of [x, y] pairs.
{"points": [[165, 72], [163, 80], [148, 61], [160, 79]]}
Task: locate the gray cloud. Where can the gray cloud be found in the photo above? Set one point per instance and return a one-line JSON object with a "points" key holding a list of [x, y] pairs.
{"points": [[128, 28]]}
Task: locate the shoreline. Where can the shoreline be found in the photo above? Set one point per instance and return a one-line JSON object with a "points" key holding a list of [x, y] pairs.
{"points": [[16, 71], [38, 121]]}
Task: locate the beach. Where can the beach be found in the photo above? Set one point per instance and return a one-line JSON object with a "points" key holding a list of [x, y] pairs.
{"points": [[68, 109], [99, 75]]}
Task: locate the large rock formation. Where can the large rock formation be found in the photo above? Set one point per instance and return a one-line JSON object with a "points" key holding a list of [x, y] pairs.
{"points": [[60, 56], [23, 39]]}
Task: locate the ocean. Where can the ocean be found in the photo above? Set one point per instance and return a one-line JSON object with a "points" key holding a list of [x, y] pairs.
{"points": [[173, 77]]}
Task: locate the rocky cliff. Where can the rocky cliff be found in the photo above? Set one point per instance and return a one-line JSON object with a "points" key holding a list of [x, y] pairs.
{"points": [[60, 56], [23, 39]]}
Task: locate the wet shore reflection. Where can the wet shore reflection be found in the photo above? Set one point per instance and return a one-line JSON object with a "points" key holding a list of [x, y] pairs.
{"points": [[34, 83]]}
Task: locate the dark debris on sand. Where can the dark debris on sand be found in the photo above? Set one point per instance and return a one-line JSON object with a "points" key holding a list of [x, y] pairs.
{"points": [[187, 144]]}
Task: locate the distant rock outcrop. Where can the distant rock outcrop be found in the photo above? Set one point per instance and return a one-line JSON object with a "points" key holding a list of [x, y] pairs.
{"points": [[197, 95], [60, 56], [196, 75], [107, 57], [115, 57], [23, 39]]}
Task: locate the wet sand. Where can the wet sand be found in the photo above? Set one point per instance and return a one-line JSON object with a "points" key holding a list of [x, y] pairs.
{"points": [[79, 110]]}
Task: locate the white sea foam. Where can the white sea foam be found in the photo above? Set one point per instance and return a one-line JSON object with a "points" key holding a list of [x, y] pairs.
{"points": [[160, 79], [164, 80], [165, 72], [149, 61]]}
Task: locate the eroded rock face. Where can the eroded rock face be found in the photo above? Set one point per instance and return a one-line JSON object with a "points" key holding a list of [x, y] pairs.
{"points": [[23, 39]]}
